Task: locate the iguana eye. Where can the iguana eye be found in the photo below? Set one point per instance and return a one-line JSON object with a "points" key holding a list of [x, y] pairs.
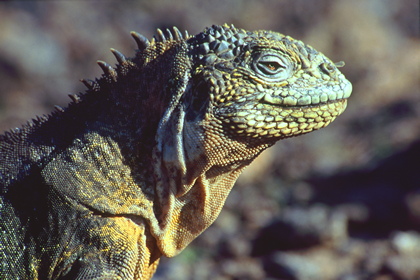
{"points": [[272, 66]]}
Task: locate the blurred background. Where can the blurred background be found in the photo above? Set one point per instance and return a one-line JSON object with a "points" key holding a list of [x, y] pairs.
{"points": [[339, 203]]}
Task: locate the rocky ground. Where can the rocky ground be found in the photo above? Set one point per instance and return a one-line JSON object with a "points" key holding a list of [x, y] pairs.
{"points": [[341, 203]]}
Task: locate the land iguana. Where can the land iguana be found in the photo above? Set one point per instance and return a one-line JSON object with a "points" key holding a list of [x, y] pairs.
{"points": [[141, 163]]}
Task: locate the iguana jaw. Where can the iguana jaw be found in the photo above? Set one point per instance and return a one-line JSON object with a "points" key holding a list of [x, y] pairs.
{"points": [[274, 122]]}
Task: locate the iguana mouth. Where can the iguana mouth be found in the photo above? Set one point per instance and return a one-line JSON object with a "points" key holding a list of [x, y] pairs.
{"points": [[309, 99], [310, 105]]}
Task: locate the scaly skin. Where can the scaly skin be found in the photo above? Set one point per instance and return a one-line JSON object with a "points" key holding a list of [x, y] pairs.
{"points": [[141, 164]]}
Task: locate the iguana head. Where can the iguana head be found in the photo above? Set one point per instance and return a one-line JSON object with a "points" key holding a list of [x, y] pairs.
{"points": [[263, 85]]}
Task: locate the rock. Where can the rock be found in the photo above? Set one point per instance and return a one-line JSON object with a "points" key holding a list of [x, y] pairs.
{"points": [[300, 228]]}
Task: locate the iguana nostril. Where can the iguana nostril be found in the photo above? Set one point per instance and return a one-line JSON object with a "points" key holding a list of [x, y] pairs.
{"points": [[327, 68]]}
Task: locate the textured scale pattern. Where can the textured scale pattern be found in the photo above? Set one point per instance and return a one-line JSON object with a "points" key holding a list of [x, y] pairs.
{"points": [[141, 163]]}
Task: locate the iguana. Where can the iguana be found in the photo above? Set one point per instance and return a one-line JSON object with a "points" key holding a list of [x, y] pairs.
{"points": [[141, 163]]}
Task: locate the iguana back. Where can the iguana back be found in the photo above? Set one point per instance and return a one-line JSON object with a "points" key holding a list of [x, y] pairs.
{"points": [[142, 162]]}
